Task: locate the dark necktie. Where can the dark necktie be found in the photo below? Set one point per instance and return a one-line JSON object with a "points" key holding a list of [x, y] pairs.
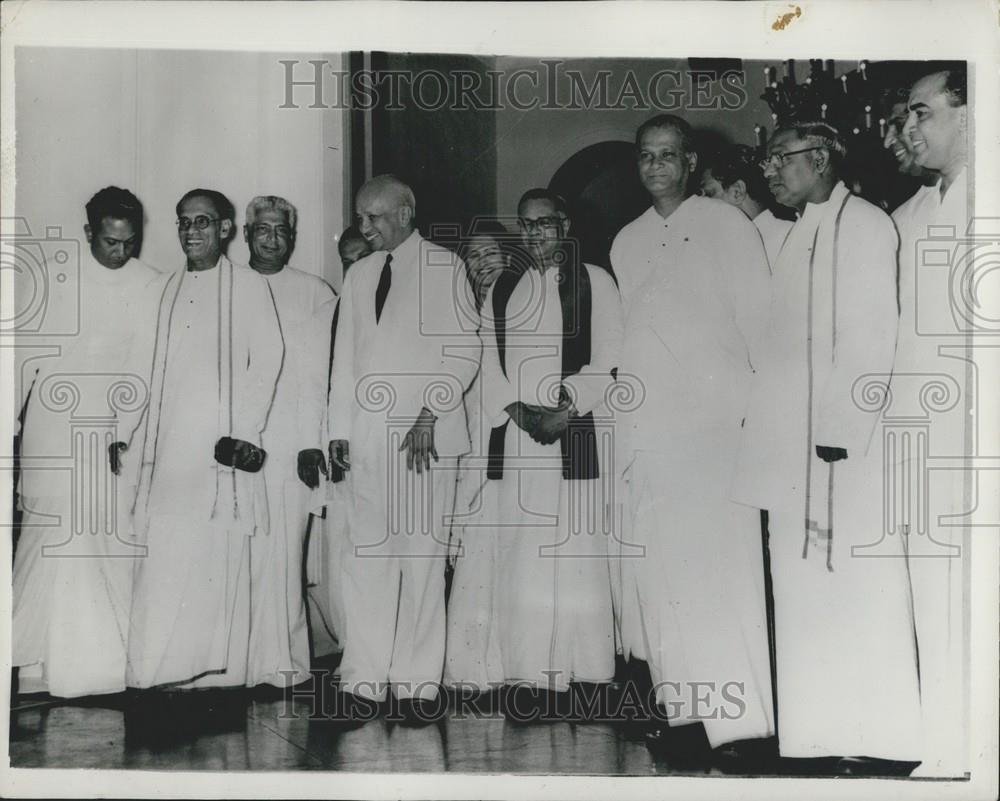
{"points": [[384, 282]]}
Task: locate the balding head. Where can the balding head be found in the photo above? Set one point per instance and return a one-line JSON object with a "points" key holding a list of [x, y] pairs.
{"points": [[385, 209]]}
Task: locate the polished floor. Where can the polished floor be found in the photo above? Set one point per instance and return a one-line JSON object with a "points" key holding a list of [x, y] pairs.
{"points": [[277, 735]]}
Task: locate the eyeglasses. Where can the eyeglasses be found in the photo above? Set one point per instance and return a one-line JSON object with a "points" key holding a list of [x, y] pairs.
{"points": [[779, 160], [264, 231], [541, 222], [201, 222]]}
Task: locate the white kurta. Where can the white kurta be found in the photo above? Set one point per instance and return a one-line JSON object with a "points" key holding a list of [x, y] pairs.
{"points": [[773, 232], [279, 632], [552, 586], [217, 360], [939, 398], [846, 666], [73, 565], [699, 580], [422, 353]]}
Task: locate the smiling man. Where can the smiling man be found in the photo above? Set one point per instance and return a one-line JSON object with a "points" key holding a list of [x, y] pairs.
{"points": [[201, 493], [402, 361], [811, 456], [279, 634], [71, 595], [937, 123], [694, 277]]}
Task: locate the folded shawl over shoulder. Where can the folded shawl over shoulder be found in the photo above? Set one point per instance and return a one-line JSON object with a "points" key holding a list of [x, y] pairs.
{"points": [[579, 442]]}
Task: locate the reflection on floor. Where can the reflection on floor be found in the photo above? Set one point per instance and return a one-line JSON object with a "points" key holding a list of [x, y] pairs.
{"points": [[278, 735]]}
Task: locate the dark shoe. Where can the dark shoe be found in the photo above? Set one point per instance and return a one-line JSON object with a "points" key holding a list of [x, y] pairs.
{"points": [[348, 711], [683, 748], [418, 712], [591, 702], [468, 702], [871, 766], [748, 757]]}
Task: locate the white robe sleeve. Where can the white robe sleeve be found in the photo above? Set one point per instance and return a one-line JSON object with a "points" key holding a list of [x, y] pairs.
{"points": [[342, 380], [590, 386], [255, 380], [866, 326], [312, 351]]}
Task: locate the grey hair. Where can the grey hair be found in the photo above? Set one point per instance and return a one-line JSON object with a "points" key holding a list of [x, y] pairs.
{"points": [[821, 134], [391, 184], [271, 203]]}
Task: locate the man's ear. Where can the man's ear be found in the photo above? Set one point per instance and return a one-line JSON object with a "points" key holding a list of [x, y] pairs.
{"points": [[89, 233], [565, 226], [246, 234], [737, 191], [225, 229], [405, 215], [821, 159], [692, 158]]}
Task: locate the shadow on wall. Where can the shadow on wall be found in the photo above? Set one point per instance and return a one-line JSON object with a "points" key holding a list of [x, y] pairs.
{"points": [[601, 185]]}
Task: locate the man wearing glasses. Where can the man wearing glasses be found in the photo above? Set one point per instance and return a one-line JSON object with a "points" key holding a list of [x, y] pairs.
{"points": [[551, 343], [694, 276], [201, 492], [293, 441], [812, 456]]}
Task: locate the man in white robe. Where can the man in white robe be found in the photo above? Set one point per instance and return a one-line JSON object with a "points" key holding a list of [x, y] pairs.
{"points": [[279, 633], [690, 330], [933, 352], [402, 361], [811, 456], [201, 493], [73, 563], [551, 343], [733, 176]]}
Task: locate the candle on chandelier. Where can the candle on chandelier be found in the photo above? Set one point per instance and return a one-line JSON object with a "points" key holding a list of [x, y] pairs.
{"points": [[758, 133], [843, 81], [868, 118], [881, 127], [822, 111]]}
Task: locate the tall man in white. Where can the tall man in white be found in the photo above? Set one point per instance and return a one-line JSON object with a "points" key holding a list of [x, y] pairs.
{"points": [[811, 456], [201, 491], [397, 425], [933, 351], [72, 575], [279, 632], [694, 277], [551, 344]]}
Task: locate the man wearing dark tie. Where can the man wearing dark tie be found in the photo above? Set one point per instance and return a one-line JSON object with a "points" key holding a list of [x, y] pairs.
{"points": [[404, 354]]}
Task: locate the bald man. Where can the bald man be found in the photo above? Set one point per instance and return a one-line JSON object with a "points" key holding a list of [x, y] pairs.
{"points": [[403, 358]]}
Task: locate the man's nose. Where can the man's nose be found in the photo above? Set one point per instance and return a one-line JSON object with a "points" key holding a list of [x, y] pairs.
{"points": [[769, 170], [911, 124], [890, 137], [364, 225]]}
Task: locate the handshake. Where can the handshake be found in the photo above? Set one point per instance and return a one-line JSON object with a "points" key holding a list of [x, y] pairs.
{"points": [[544, 424]]}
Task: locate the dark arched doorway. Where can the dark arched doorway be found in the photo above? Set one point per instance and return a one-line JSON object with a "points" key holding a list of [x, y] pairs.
{"points": [[602, 187]]}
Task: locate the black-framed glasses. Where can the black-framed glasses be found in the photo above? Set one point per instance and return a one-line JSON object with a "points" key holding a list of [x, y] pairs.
{"points": [[541, 222], [201, 222], [779, 160]]}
